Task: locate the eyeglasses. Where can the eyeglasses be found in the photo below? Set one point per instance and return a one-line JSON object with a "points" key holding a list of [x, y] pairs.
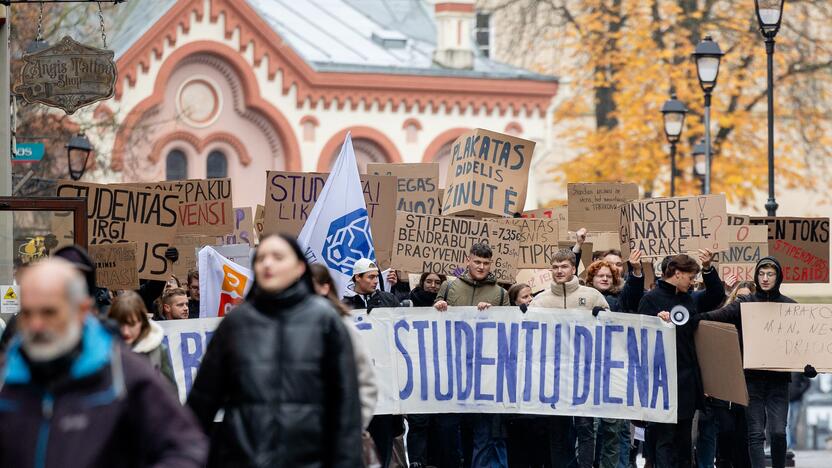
{"points": [[766, 274]]}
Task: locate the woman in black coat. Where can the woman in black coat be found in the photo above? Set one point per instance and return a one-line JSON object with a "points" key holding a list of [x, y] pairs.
{"points": [[281, 366], [424, 295]]}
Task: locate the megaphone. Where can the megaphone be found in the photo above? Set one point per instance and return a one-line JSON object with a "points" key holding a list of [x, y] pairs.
{"points": [[679, 315]]}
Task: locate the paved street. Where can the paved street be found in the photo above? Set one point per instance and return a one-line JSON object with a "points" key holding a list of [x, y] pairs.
{"points": [[813, 459]]}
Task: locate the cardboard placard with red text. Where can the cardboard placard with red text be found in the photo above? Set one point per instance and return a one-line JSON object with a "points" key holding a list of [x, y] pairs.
{"points": [[205, 205], [801, 245]]}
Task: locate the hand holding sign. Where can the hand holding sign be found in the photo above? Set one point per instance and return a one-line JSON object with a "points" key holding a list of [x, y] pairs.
{"points": [[441, 306], [580, 237], [635, 261], [664, 315], [706, 257]]}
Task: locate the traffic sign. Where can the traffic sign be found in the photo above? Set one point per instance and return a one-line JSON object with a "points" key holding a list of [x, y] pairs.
{"points": [[28, 152]]}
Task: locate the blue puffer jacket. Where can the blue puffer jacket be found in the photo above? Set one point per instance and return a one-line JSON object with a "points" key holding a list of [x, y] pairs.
{"points": [[109, 410]]}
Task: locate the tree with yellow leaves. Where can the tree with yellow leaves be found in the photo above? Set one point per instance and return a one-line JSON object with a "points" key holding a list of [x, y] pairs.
{"points": [[622, 59]]}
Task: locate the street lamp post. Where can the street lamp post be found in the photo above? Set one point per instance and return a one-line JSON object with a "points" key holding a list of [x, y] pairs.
{"points": [[699, 165], [769, 15], [77, 155], [707, 56], [673, 113]]}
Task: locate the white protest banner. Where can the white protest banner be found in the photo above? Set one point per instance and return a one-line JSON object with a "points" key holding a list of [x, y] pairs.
{"points": [[786, 337], [500, 360], [187, 341], [671, 226], [222, 283], [488, 175], [548, 362]]}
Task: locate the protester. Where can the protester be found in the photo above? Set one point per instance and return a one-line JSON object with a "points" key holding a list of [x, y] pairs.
{"points": [[520, 294], [142, 335], [566, 292], [367, 387], [174, 305], [193, 294], [673, 441], [798, 387], [74, 396], [399, 286], [768, 391], [424, 295], [629, 288], [476, 287], [281, 366], [365, 277]]}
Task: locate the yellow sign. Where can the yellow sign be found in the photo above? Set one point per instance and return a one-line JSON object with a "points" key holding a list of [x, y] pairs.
{"points": [[10, 295]]}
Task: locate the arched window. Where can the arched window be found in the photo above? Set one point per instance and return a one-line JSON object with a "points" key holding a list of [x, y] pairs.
{"points": [[366, 151], [217, 165], [176, 165]]}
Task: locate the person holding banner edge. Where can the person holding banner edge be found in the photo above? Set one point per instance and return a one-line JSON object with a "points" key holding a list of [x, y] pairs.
{"points": [[566, 292], [673, 441], [476, 287], [768, 391]]}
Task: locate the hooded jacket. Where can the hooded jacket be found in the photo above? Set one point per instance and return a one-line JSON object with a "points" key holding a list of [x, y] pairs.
{"points": [[109, 409], [155, 350], [731, 314], [371, 301], [570, 295], [283, 369], [466, 291]]}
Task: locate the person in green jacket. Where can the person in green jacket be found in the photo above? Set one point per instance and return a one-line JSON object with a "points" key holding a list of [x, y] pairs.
{"points": [[476, 287]]}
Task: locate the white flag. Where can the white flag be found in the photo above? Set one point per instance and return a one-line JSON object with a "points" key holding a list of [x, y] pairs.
{"points": [[222, 283], [337, 232]]}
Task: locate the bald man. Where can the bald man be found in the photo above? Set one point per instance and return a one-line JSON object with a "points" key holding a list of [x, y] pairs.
{"points": [[72, 393]]}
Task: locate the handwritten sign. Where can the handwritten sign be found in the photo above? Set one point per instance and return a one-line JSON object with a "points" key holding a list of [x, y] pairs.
{"points": [[538, 240], [188, 245], [738, 219], [746, 244], [205, 206], [123, 214], [115, 265], [488, 175], [801, 245], [417, 185], [595, 206], [786, 337], [290, 197], [670, 226], [440, 244], [742, 271], [538, 279], [259, 221], [243, 229], [559, 213]]}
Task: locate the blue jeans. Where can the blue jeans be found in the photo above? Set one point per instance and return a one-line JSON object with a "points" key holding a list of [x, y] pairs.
{"points": [[489, 442], [624, 448], [768, 407], [791, 428], [706, 442]]}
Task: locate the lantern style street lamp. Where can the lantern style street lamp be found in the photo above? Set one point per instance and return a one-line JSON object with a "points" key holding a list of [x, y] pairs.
{"points": [[707, 56], [77, 155], [699, 165], [673, 113]]}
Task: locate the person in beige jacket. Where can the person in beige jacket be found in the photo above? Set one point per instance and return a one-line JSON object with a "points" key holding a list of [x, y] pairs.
{"points": [[567, 293]]}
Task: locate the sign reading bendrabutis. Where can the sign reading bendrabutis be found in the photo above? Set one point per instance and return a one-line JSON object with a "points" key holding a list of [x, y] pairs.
{"points": [[550, 362]]}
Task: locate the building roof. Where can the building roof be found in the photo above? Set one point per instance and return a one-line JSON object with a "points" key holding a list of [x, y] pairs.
{"points": [[337, 36]]}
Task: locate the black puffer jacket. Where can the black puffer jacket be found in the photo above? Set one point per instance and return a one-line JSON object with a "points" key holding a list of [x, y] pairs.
{"points": [[371, 301], [731, 314], [281, 365], [422, 298]]}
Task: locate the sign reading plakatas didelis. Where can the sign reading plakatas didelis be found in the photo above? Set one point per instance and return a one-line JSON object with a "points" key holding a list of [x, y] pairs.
{"points": [[488, 175]]}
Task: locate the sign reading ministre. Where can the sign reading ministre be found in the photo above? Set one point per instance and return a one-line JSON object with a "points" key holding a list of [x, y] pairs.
{"points": [[417, 185], [595, 206], [115, 265], [801, 245], [488, 175], [290, 197], [122, 214], [440, 244], [68, 75], [670, 226]]}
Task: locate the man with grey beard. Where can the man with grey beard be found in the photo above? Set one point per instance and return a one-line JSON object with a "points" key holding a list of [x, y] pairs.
{"points": [[71, 394]]}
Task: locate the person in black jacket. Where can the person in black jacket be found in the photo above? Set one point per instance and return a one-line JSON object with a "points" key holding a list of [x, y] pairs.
{"points": [[365, 277], [281, 366], [673, 441], [424, 295], [768, 391], [629, 295], [798, 387]]}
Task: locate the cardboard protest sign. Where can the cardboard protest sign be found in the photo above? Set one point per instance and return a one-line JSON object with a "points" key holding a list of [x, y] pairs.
{"points": [[187, 246], [115, 265], [290, 197], [440, 244], [243, 229], [488, 175], [538, 280], [746, 244], [538, 240], [742, 271], [786, 337], [559, 213], [595, 206], [417, 185], [801, 245], [259, 221], [720, 361], [122, 214], [602, 241], [205, 206], [671, 226], [738, 219]]}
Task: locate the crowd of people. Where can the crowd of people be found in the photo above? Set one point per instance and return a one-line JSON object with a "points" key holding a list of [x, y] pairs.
{"points": [[286, 380]]}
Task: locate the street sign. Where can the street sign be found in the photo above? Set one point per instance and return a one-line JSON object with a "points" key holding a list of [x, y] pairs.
{"points": [[28, 152]]}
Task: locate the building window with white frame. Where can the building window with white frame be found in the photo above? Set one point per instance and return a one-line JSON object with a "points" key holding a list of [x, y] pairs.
{"points": [[482, 32]]}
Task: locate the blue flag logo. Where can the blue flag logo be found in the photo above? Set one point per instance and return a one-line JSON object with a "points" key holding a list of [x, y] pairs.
{"points": [[348, 240]]}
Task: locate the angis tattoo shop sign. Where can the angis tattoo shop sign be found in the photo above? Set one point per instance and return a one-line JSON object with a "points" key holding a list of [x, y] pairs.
{"points": [[68, 75]]}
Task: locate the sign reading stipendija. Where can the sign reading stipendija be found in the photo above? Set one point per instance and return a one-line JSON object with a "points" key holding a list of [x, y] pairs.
{"points": [[488, 175], [671, 226]]}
